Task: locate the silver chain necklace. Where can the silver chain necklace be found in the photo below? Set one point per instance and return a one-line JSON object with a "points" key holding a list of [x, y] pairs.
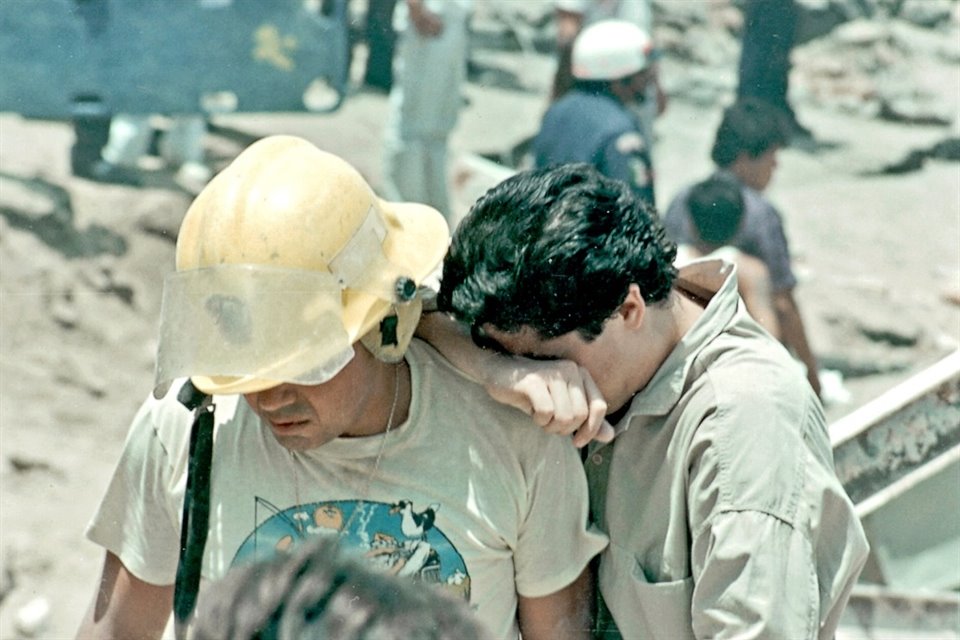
{"points": [[376, 465]]}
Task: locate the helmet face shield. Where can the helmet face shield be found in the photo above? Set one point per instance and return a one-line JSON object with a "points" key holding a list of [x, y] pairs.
{"points": [[240, 321]]}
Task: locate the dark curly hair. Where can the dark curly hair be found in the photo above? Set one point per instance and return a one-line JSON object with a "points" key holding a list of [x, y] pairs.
{"points": [[318, 592], [555, 249], [749, 126]]}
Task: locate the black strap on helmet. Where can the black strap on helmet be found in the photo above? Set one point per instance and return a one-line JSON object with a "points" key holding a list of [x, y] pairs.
{"points": [[196, 506]]}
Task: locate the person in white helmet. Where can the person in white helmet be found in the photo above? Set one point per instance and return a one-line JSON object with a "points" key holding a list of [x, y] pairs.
{"points": [[596, 121], [571, 16], [285, 341]]}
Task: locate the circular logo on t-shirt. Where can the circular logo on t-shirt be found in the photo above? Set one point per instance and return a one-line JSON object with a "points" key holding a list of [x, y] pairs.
{"points": [[400, 538]]}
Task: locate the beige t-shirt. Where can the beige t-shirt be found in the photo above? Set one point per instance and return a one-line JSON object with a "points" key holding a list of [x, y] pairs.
{"points": [[469, 496]]}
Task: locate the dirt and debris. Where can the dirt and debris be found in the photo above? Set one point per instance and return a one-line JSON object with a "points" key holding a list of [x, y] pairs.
{"points": [[872, 212]]}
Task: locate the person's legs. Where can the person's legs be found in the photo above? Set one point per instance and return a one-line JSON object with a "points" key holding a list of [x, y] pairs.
{"points": [[183, 141], [90, 136], [423, 108], [405, 169], [381, 42], [415, 170], [769, 27], [438, 195], [129, 139], [182, 146]]}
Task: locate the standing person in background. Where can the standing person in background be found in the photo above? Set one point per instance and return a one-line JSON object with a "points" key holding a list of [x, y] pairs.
{"points": [[769, 30], [180, 146], [596, 120], [572, 16], [430, 68], [381, 42], [745, 150]]}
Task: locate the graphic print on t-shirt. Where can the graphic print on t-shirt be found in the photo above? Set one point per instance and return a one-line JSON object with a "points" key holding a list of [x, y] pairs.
{"points": [[398, 538]]}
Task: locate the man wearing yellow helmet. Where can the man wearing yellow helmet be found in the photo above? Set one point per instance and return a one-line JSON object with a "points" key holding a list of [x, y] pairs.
{"points": [[314, 414]]}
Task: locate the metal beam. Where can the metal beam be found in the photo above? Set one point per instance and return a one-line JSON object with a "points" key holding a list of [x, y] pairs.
{"points": [[891, 443], [878, 612]]}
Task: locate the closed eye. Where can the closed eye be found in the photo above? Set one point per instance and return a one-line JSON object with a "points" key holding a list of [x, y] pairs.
{"points": [[484, 341], [541, 357]]}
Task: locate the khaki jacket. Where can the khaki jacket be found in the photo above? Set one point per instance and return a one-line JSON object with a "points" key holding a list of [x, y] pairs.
{"points": [[725, 515]]}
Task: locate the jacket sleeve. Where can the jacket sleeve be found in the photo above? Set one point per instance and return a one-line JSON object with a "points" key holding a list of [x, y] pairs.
{"points": [[754, 578], [776, 545]]}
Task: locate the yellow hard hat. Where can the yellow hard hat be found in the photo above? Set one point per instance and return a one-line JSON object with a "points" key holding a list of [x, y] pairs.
{"points": [[284, 261]]}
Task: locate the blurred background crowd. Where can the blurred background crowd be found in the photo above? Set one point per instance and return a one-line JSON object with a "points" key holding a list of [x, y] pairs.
{"points": [[435, 101]]}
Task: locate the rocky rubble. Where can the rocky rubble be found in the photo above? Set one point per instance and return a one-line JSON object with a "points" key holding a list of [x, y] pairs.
{"points": [[873, 216], [875, 58]]}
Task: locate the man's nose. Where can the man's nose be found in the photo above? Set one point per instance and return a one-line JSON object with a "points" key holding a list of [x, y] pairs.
{"points": [[274, 398]]}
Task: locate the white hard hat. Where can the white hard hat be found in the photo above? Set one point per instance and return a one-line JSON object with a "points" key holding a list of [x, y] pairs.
{"points": [[284, 261], [610, 49]]}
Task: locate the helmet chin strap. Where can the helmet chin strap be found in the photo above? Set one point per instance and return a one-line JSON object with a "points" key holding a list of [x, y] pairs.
{"points": [[196, 506], [388, 331], [389, 341]]}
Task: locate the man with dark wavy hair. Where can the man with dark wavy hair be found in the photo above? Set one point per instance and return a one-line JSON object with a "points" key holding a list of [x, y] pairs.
{"points": [[718, 491]]}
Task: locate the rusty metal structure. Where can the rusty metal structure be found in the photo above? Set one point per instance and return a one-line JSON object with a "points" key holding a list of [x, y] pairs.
{"points": [[898, 457]]}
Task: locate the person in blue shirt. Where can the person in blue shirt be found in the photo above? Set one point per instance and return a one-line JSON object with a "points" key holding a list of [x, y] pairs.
{"points": [[595, 121]]}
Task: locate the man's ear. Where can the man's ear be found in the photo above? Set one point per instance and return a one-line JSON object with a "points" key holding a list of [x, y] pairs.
{"points": [[634, 308]]}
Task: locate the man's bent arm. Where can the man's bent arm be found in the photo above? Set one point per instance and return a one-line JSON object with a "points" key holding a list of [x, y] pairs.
{"points": [[560, 396], [562, 615], [794, 336], [126, 607]]}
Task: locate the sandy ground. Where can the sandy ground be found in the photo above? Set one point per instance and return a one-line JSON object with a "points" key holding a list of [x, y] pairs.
{"points": [[877, 256]]}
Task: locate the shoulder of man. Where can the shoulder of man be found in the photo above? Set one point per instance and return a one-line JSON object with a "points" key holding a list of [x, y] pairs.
{"points": [[475, 409], [599, 112], [756, 395], [758, 205], [753, 375], [170, 420]]}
